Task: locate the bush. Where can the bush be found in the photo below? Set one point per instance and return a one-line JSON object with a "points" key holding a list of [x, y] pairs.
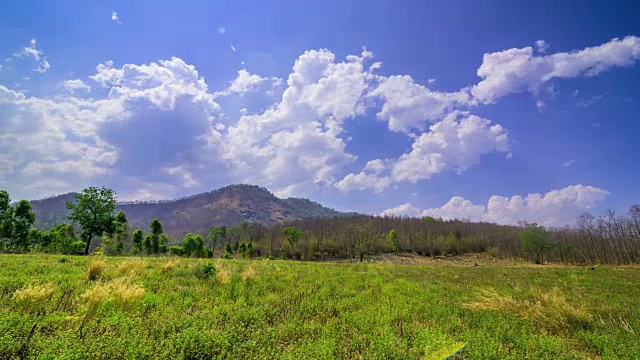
{"points": [[175, 250]]}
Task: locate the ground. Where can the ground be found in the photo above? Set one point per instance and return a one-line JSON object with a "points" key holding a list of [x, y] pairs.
{"points": [[403, 307]]}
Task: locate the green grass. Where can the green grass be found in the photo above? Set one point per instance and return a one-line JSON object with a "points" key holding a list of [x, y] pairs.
{"points": [[264, 309]]}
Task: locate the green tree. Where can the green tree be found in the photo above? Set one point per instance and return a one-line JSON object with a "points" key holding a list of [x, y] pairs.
{"points": [[6, 220], [193, 245], [291, 234], [429, 219], [164, 240], [136, 238], [534, 240], [23, 218], [93, 212], [156, 233], [216, 237], [393, 238], [120, 232], [147, 244]]}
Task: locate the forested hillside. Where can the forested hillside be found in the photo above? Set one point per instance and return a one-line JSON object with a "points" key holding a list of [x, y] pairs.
{"points": [[197, 214]]}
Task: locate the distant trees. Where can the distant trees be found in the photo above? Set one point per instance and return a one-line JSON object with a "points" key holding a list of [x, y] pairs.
{"points": [[291, 234], [93, 211], [393, 238], [15, 223], [193, 245], [136, 239], [534, 240]]}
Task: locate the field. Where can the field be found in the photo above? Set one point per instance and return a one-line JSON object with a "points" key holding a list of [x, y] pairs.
{"points": [[68, 307]]}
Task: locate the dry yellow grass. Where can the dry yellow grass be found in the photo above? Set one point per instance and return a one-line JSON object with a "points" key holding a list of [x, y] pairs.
{"points": [[95, 269], [549, 309], [132, 267], [248, 272], [126, 297], [223, 275], [94, 298], [170, 265], [31, 298]]}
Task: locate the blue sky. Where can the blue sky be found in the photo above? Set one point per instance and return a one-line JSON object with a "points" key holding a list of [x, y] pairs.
{"points": [[455, 109]]}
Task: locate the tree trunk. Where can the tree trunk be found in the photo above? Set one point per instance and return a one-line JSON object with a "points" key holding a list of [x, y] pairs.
{"points": [[86, 249]]}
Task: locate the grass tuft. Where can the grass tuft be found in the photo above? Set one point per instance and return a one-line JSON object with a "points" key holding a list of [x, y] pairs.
{"points": [[223, 275], [170, 265], [549, 310], [95, 269], [126, 297], [248, 273], [31, 298], [132, 268]]}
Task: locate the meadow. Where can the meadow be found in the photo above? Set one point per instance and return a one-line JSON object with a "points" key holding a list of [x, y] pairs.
{"points": [[74, 307]]}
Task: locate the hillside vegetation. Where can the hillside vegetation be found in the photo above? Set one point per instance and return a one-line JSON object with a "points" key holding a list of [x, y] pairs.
{"points": [[197, 214], [75, 307]]}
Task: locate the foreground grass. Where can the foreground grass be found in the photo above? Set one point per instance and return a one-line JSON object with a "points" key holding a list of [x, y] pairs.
{"points": [[154, 308]]}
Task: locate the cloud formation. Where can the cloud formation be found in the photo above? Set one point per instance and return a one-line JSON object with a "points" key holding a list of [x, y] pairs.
{"points": [[554, 208], [42, 64], [517, 70]]}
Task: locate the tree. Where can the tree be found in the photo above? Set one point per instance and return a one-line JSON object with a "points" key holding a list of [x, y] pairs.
{"points": [[193, 245], [156, 233], [147, 244], [136, 238], [393, 238], [291, 234], [6, 220], [121, 229], [93, 212], [534, 241], [216, 236]]}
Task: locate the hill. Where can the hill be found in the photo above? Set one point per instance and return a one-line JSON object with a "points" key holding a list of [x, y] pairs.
{"points": [[227, 206]]}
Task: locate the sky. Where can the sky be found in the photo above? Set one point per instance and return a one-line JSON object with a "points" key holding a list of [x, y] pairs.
{"points": [[488, 111]]}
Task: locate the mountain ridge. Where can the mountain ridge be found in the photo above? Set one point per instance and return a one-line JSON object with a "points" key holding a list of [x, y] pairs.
{"points": [[226, 206]]}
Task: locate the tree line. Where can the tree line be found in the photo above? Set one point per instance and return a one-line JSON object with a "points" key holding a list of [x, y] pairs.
{"points": [[608, 239]]}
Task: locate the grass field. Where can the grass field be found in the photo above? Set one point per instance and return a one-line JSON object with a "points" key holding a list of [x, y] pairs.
{"points": [[151, 308]]}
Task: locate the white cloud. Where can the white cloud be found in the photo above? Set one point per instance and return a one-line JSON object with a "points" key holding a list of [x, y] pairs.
{"points": [[541, 46], [233, 48], [568, 163], [364, 181], [295, 146], [457, 143], [516, 70], [540, 104], [115, 18], [431, 81], [401, 210], [408, 106], [74, 85], [555, 208], [247, 82], [37, 55]]}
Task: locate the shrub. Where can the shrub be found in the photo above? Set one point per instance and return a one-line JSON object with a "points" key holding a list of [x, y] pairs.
{"points": [[32, 298], [96, 267], [175, 250]]}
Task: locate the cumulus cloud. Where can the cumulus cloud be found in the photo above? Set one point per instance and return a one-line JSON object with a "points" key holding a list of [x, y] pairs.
{"points": [[454, 144], [75, 85], [517, 70], [541, 46], [42, 64], [247, 82], [554, 208], [409, 106], [401, 210]]}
